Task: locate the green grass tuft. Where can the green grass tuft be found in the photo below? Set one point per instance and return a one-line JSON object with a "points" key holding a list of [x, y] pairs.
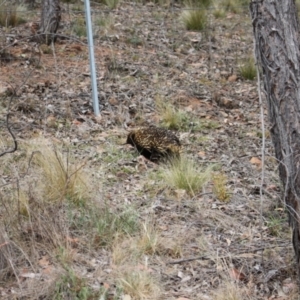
{"points": [[194, 19], [248, 69], [110, 225], [184, 174]]}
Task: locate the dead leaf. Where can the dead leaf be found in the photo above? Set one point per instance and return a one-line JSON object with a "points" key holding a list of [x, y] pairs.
{"points": [[113, 101], [201, 154], [232, 78], [76, 122], [44, 261], [237, 275], [256, 161], [106, 285]]}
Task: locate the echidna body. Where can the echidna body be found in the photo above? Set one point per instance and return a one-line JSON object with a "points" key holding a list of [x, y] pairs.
{"points": [[155, 143]]}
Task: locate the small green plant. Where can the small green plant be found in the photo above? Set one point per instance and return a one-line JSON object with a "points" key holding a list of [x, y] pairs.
{"points": [[219, 187], [106, 22], [71, 286], [183, 174], [248, 69], [275, 225], [177, 119], [134, 40], [80, 30], [172, 118]]}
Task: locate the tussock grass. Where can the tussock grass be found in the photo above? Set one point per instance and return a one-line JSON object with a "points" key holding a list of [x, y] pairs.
{"points": [[184, 174], [195, 15], [248, 69], [194, 19], [11, 16]]}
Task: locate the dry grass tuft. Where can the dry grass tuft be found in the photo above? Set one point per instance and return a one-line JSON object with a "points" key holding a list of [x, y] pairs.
{"points": [[149, 239], [230, 291], [139, 284], [62, 177], [220, 189], [10, 16]]}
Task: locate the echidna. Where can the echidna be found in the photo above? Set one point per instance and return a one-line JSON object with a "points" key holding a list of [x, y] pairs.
{"points": [[155, 143]]}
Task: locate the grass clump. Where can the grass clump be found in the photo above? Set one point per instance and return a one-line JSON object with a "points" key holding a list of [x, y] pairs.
{"points": [[219, 13], [172, 118], [194, 19], [149, 239], [110, 225], [275, 224], [183, 174], [112, 4], [177, 119], [219, 187], [234, 6], [248, 69], [10, 16], [70, 286]]}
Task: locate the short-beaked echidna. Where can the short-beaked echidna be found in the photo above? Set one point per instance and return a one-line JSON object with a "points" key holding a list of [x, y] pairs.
{"points": [[154, 143]]}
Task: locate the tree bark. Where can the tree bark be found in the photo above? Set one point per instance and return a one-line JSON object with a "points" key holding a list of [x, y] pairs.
{"points": [[276, 34], [50, 18]]}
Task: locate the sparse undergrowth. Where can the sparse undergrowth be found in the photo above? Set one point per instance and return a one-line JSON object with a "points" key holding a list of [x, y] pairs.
{"points": [[87, 218]]}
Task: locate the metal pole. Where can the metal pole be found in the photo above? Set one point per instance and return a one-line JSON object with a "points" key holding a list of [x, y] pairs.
{"points": [[92, 56]]}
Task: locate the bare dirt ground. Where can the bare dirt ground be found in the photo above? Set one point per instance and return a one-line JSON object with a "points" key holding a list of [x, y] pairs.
{"points": [[144, 56]]}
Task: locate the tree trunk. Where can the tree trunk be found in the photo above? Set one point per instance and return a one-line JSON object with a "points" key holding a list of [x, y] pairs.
{"points": [[50, 18], [276, 33]]}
